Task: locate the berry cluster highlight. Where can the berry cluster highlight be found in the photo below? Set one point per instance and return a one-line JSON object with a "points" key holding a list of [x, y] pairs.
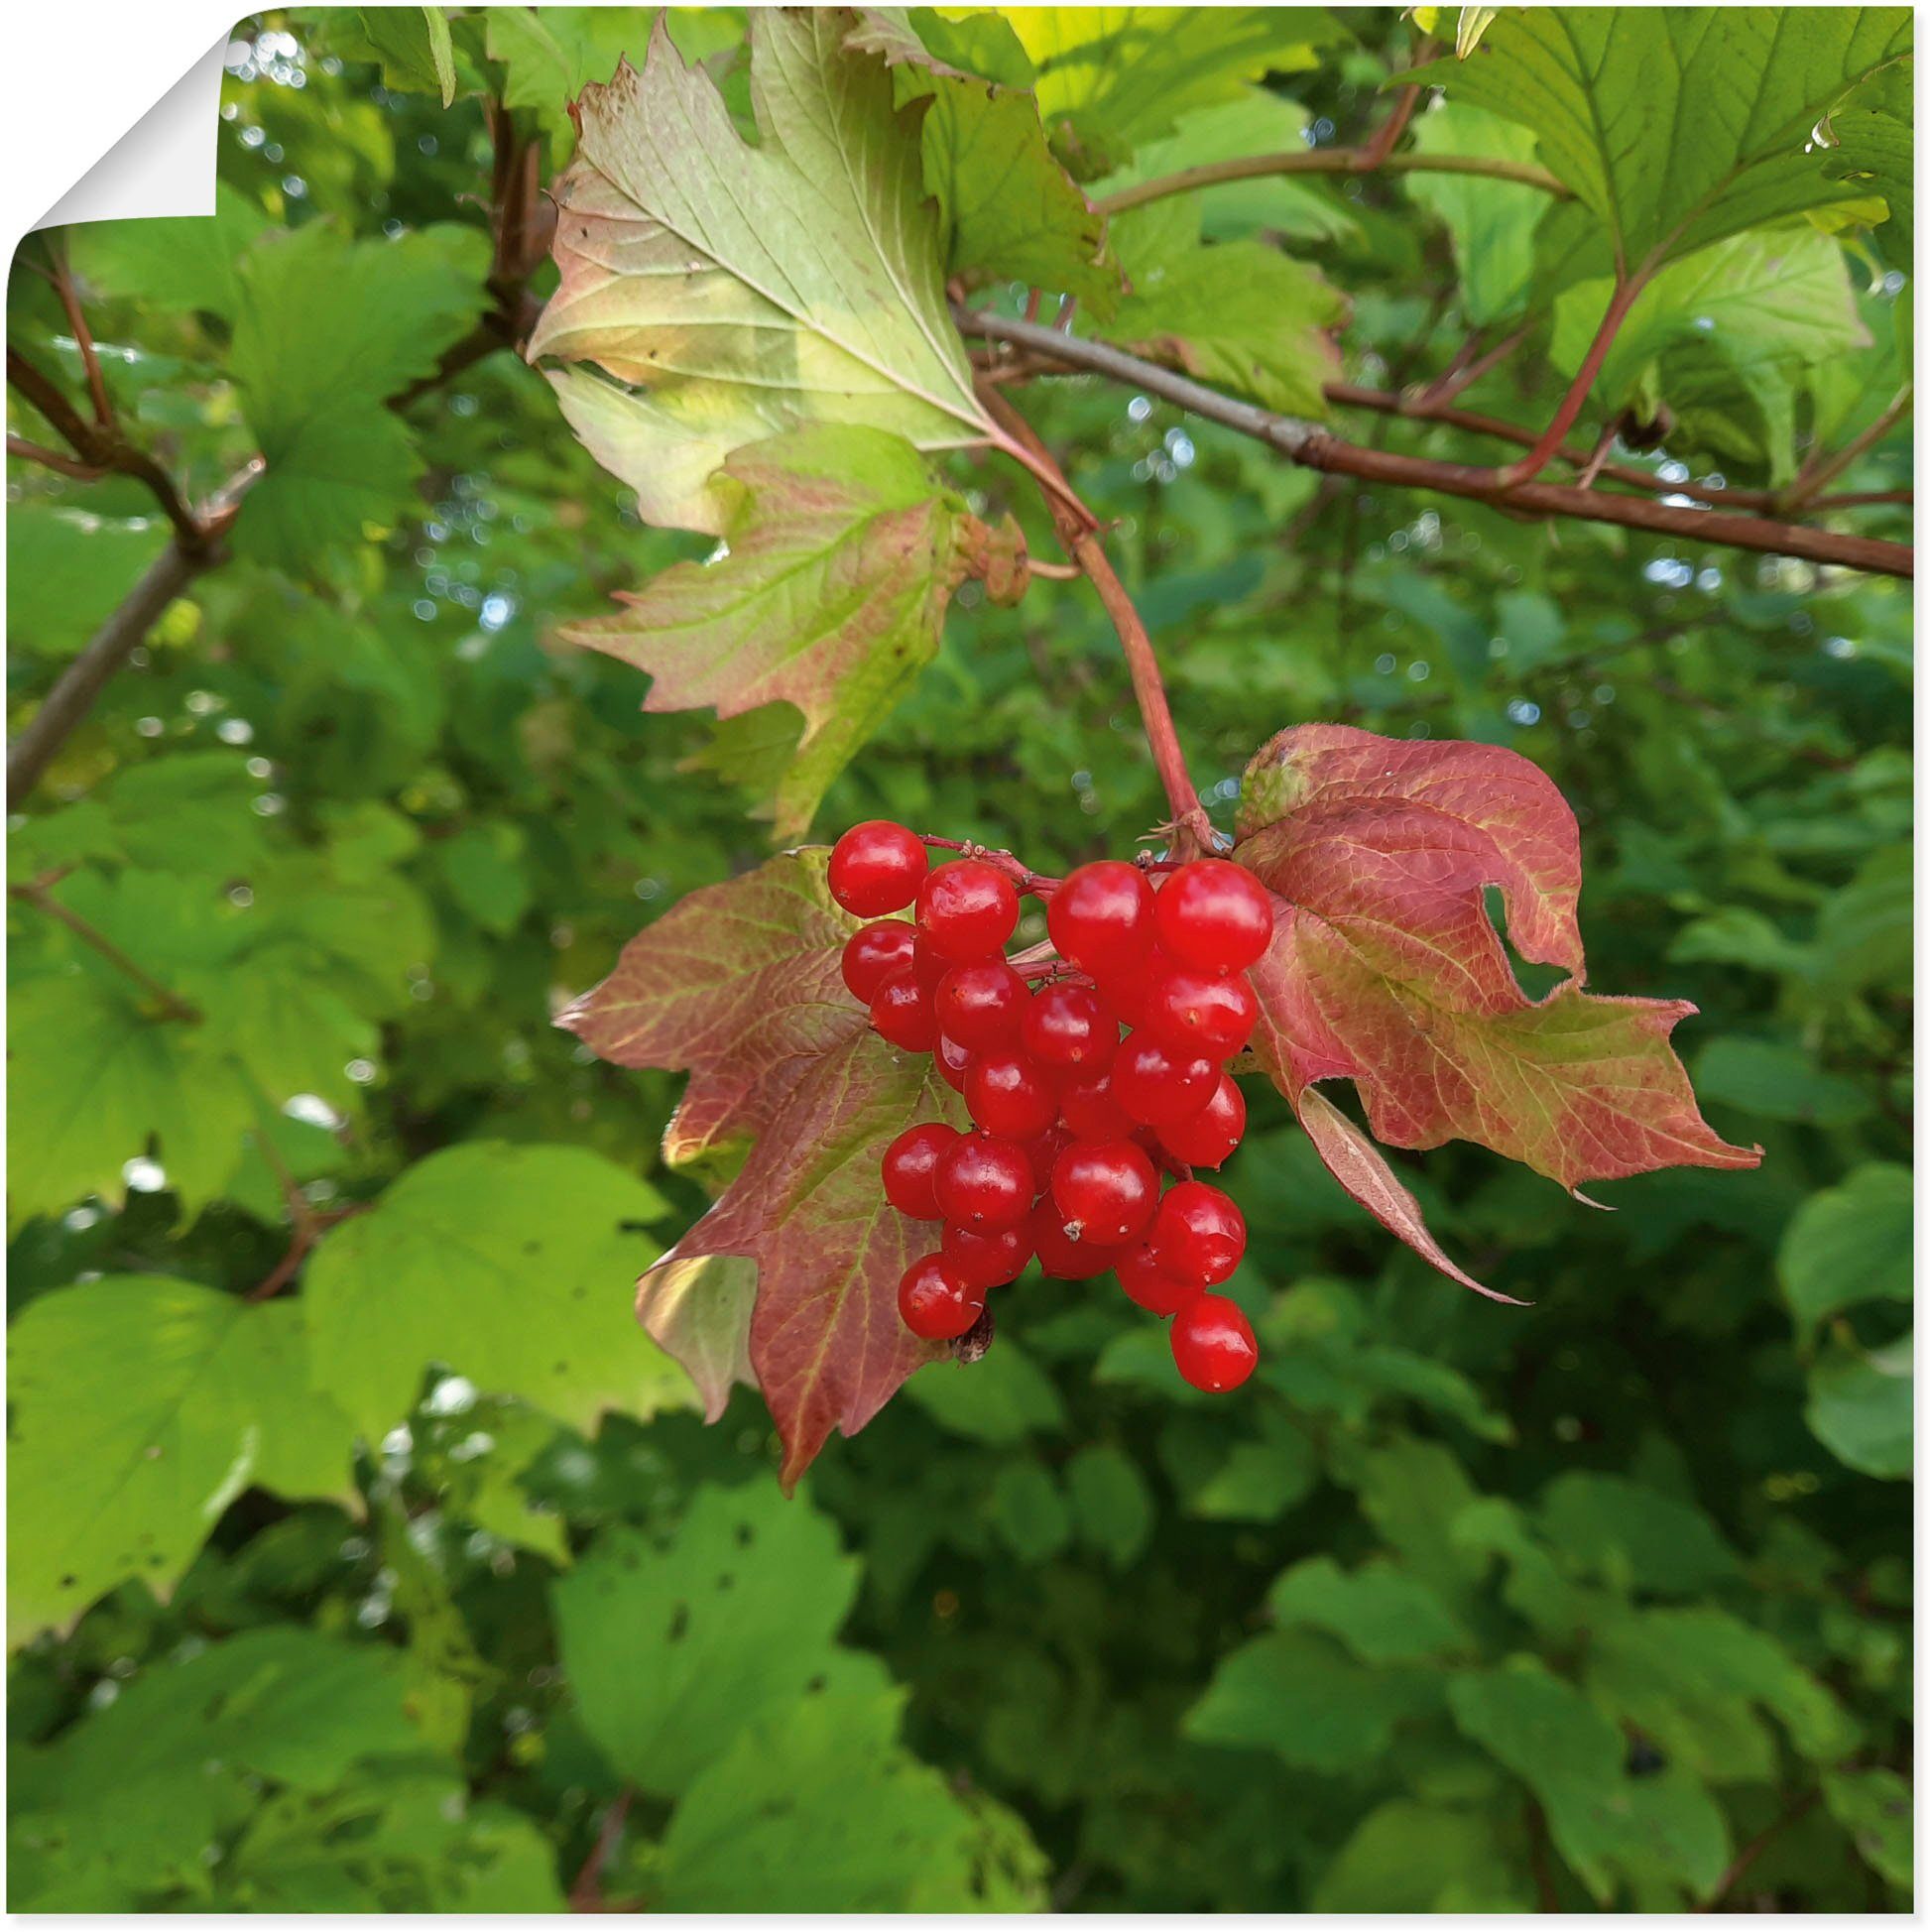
{"points": [[1094, 1070]]}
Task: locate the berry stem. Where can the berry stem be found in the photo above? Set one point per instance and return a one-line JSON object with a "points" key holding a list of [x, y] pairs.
{"points": [[1192, 829], [1021, 875]]}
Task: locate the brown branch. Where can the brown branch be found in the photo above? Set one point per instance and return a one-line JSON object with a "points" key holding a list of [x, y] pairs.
{"points": [[1450, 384], [1757, 1846], [586, 1891], [32, 452], [1315, 447], [1324, 161], [1828, 468], [83, 336], [37, 895], [1190, 823]]}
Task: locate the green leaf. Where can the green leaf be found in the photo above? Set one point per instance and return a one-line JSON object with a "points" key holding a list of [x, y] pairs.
{"points": [[1028, 1511], [1604, 1823], [1491, 224], [552, 52], [411, 44], [1861, 1406], [674, 1650], [1634, 1538], [1619, 101], [1381, 1613], [1404, 1856], [1302, 1697], [1849, 1245], [141, 1407], [1875, 1808], [818, 1809], [67, 571], [1239, 315], [1000, 1400], [171, 262], [509, 1264], [1777, 1082], [829, 595], [739, 291], [1113, 1507]]}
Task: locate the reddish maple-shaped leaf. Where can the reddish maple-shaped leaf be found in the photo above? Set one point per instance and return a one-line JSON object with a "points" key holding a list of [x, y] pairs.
{"points": [[739, 984], [1386, 970]]}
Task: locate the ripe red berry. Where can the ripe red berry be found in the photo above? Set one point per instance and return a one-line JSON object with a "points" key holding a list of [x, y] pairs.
{"points": [[1213, 1344], [1148, 1283], [1215, 916], [874, 953], [1198, 1235], [928, 965], [1010, 1094], [1087, 1106], [1106, 1191], [1206, 1139], [979, 1003], [984, 1182], [1101, 915], [952, 1059], [876, 868], [988, 1258], [935, 1302], [911, 1167], [903, 1013], [1043, 1152], [1125, 989], [1155, 1085], [967, 909], [1198, 1012], [1063, 1257], [1069, 1026]]}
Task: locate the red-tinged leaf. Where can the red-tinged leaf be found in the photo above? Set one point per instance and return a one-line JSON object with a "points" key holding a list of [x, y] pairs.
{"points": [[1386, 970], [738, 985]]}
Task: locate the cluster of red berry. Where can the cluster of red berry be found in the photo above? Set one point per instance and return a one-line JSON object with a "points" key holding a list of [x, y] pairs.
{"points": [[1074, 1124]]}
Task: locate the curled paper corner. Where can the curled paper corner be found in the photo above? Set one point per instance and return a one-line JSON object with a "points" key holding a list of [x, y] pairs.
{"points": [[164, 165]]}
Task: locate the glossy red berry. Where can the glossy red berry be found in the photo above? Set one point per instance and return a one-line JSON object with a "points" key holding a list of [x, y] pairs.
{"points": [[1060, 1255], [1043, 1152], [1148, 1283], [1156, 1085], [1087, 1106], [988, 1257], [1010, 1094], [876, 868], [952, 1059], [1198, 1011], [1206, 1139], [910, 1169], [1069, 1026], [1213, 1344], [1215, 915], [1125, 988], [980, 1002], [1198, 1235], [984, 1182], [935, 1302], [1105, 1191], [1101, 916], [967, 909], [874, 953], [903, 1013], [928, 965]]}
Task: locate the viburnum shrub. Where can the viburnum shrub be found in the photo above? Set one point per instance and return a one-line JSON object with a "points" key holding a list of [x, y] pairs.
{"points": [[905, 1114], [1157, 952]]}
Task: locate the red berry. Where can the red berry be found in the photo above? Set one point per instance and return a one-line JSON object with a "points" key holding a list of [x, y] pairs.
{"points": [[911, 1167], [1148, 1283], [874, 953], [1201, 1013], [1010, 1094], [1069, 1026], [1213, 1344], [928, 965], [1157, 1086], [902, 1015], [984, 1182], [1105, 1190], [1215, 915], [1087, 1106], [967, 909], [1206, 1139], [935, 1302], [876, 868], [989, 1258], [1100, 917], [1063, 1257], [1127, 990], [1043, 1152], [953, 1060], [979, 1001], [1198, 1235]]}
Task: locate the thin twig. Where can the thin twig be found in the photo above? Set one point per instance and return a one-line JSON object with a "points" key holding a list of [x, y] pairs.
{"points": [[83, 336], [1315, 447], [1439, 393], [1757, 1846], [586, 1893], [1590, 470], [1621, 298], [1324, 161], [32, 452], [1825, 470], [172, 1007]]}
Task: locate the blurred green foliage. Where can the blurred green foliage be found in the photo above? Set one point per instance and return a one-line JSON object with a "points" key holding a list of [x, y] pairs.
{"points": [[422, 1587]]}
